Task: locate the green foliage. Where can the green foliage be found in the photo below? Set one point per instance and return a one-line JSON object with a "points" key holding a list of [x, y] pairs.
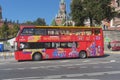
{"points": [[7, 32], [15, 30], [29, 22], [77, 15], [40, 22], [94, 10], [37, 22], [53, 23], [4, 30]]}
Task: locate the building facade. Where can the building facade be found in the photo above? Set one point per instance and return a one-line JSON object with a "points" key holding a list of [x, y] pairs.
{"points": [[62, 19], [62, 15], [115, 22]]}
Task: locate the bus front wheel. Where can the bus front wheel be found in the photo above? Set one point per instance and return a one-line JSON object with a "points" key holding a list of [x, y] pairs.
{"points": [[37, 57], [82, 55]]}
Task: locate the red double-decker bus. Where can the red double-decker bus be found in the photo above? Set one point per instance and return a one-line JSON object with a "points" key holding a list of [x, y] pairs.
{"points": [[45, 42]]}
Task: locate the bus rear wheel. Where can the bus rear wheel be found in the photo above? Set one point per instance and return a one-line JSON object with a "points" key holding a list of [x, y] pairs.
{"points": [[37, 57], [82, 55]]}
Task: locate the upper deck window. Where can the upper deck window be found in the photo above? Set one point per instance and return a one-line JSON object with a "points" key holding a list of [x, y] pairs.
{"points": [[88, 32], [27, 31], [97, 31], [53, 32], [40, 31]]}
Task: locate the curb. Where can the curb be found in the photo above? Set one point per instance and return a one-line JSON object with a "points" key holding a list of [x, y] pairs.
{"points": [[112, 52], [8, 60]]}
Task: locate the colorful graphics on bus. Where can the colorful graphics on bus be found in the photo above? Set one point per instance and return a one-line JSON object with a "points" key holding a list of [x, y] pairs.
{"points": [[94, 50]]}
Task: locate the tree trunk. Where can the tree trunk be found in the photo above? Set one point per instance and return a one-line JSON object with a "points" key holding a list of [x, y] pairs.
{"points": [[91, 22]]}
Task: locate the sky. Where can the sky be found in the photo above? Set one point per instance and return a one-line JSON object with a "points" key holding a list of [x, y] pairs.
{"points": [[30, 10]]}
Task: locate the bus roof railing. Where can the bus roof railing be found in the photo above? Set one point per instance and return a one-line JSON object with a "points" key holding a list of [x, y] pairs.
{"points": [[64, 27], [84, 27]]}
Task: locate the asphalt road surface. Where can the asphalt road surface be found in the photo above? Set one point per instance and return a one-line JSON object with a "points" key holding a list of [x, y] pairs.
{"points": [[100, 68]]}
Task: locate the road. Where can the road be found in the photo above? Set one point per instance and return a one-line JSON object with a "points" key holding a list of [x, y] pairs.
{"points": [[100, 68]]}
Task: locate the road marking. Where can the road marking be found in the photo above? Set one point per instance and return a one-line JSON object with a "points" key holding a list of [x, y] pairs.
{"points": [[8, 69], [71, 67], [64, 61], [86, 61], [68, 76], [20, 68], [34, 67], [96, 67], [108, 67], [57, 66], [79, 75], [112, 61], [84, 67], [37, 78]]}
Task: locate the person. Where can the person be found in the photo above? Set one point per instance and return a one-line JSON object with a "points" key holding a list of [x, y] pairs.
{"points": [[109, 45]]}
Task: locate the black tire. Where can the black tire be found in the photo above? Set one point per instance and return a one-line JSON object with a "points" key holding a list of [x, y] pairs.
{"points": [[82, 55], [37, 57]]}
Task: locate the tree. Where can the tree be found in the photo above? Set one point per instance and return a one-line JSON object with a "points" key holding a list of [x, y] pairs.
{"points": [[15, 30], [76, 14], [5, 30], [53, 23], [94, 10], [38, 22], [29, 23]]}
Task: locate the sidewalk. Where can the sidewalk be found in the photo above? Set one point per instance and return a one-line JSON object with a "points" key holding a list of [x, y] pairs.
{"points": [[6, 56], [7, 60], [112, 52]]}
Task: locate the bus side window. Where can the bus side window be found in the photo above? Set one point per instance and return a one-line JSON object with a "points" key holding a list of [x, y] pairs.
{"points": [[64, 45], [47, 45], [53, 32], [56, 31], [27, 31], [50, 32], [40, 31], [88, 32], [62, 32], [67, 32], [77, 32], [82, 33], [55, 45]]}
